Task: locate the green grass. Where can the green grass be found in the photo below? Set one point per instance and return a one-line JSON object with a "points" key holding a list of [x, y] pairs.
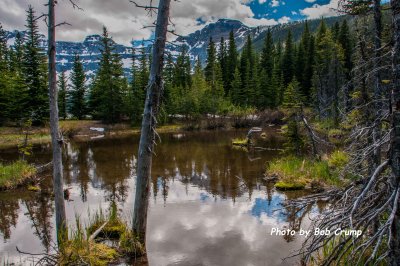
{"points": [[15, 174], [240, 142], [283, 185], [81, 250], [295, 172]]}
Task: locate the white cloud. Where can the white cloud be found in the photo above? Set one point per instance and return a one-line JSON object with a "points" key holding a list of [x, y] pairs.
{"points": [[126, 22], [274, 3], [317, 11], [262, 1], [294, 13], [310, 1], [284, 20]]}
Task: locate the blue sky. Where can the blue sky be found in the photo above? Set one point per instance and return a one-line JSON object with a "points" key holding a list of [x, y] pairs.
{"points": [[125, 22], [288, 8]]}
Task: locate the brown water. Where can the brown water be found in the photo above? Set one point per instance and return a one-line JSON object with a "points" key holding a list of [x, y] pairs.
{"points": [[209, 204]]}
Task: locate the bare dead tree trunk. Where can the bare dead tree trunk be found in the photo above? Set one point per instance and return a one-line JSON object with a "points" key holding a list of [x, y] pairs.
{"points": [[148, 133], [377, 79], [395, 145], [56, 139]]}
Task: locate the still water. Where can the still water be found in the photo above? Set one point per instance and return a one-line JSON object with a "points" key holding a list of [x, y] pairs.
{"points": [[209, 204]]}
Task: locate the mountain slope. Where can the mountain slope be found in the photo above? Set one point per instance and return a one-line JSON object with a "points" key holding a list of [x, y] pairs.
{"points": [[196, 42]]}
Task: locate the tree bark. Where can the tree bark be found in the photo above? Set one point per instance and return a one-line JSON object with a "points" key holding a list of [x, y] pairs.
{"points": [[56, 139], [148, 133], [394, 254], [377, 79]]}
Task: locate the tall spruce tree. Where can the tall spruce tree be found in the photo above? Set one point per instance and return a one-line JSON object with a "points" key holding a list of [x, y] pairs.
{"points": [[77, 94], [4, 78], [109, 84], [232, 61], [62, 95], [288, 60], [223, 62], [35, 72]]}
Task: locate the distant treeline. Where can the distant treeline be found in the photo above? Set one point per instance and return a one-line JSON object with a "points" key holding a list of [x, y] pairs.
{"points": [[315, 67]]}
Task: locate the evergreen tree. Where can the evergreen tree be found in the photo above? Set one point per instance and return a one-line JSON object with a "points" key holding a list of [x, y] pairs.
{"points": [[4, 78], [346, 42], [77, 101], [232, 62], [223, 62], [268, 54], [328, 75], [137, 98], [335, 31], [307, 42], [110, 85], [288, 59], [292, 103], [267, 92], [210, 68], [182, 76], [236, 87], [62, 95], [249, 74], [35, 73]]}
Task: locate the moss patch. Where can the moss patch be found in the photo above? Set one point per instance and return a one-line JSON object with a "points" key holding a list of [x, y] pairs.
{"points": [[296, 173], [240, 142], [87, 253], [285, 185], [130, 245], [113, 229], [15, 174]]}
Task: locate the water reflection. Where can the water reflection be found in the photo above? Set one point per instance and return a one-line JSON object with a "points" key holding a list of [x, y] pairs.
{"points": [[210, 205]]}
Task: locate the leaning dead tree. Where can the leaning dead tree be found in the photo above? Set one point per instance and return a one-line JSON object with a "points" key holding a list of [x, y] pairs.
{"points": [[370, 203], [56, 137], [149, 123]]}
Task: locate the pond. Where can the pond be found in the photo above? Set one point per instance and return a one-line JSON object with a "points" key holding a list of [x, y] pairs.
{"points": [[209, 203]]}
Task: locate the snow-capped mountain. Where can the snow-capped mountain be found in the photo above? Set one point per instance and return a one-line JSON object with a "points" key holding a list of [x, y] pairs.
{"points": [[196, 43]]}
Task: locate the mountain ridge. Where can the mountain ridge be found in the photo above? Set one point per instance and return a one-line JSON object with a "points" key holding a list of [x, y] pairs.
{"points": [[196, 42]]}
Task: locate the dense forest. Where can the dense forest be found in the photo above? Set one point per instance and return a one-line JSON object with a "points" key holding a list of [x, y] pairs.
{"points": [[337, 88], [232, 81]]}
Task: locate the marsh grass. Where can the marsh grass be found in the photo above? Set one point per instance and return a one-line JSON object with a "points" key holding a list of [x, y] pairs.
{"points": [[15, 174], [80, 249], [296, 172]]}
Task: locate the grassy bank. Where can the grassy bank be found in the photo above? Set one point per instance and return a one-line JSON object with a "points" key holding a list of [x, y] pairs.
{"points": [[15, 174], [298, 173], [91, 245], [12, 137]]}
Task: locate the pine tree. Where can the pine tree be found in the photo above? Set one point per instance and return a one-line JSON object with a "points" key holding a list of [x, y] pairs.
{"points": [[236, 87], [223, 62], [110, 85], [288, 59], [249, 74], [210, 68], [4, 78], [345, 41], [307, 41], [18, 89], [292, 102], [35, 72], [267, 92], [62, 95], [182, 76], [335, 31], [232, 61], [328, 75], [137, 91], [268, 54], [77, 101]]}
